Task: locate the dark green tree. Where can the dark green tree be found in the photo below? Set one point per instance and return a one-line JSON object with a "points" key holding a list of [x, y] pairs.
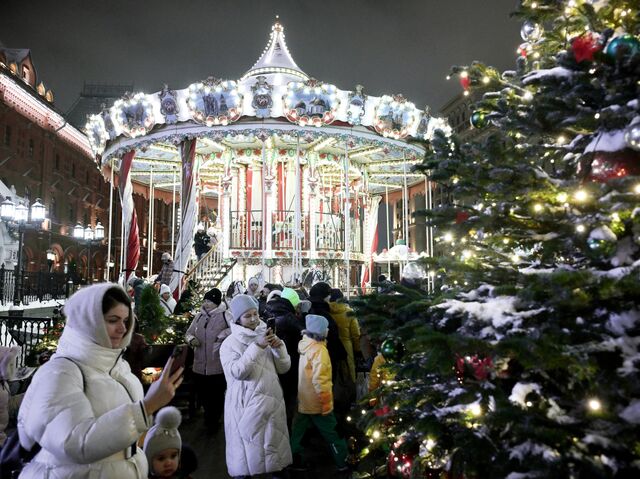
{"points": [[523, 363], [151, 316]]}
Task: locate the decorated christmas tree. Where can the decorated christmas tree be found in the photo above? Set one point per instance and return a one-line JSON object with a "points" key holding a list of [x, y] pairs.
{"points": [[523, 363]]}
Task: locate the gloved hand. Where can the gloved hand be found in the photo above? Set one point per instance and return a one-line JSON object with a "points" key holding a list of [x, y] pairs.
{"points": [[194, 343]]}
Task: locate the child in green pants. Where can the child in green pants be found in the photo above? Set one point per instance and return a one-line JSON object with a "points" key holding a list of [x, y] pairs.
{"points": [[315, 396]]}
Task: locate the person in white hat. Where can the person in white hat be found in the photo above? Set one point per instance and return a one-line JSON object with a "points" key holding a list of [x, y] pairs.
{"points": [[166, 300], [255, 422]]}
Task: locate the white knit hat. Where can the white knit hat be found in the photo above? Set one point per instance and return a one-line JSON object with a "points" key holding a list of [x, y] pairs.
{"points": [[164, 434], [241, 304], [164, 289], [273, 294]]}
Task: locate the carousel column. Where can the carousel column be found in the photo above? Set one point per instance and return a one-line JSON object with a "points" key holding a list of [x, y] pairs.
{"points": [[255, 207], [347, 220], [268, 203]]}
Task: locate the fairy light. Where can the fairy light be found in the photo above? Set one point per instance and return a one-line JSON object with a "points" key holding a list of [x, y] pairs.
{"points": [[537, 207], [594, 404], [515, 258], [597, 116], [561, 140], [528, 96], [485, 79], [636, 189], [376, 434], [581, 195], [448, 237], [562, 197], [581, 229], [475, 409]]}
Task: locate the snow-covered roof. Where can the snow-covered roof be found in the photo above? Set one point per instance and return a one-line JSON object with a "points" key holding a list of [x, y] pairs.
{"points": [[276, 59]]}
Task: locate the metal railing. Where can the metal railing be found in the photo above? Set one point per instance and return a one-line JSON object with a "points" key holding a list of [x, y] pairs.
{"points": [[36, 286], [247, 231], [26, 333], [211, 269]]}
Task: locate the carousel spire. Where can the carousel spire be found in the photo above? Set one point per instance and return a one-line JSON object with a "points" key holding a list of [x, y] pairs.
{"points": [[276, 57]]}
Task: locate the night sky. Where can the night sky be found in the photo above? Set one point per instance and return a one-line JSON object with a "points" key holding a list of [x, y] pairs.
{"points": [[401, 46]]}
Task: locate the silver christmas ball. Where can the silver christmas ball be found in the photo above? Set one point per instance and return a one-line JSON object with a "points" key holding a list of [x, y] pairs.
{"points": [[530, 31], [632, 136]]}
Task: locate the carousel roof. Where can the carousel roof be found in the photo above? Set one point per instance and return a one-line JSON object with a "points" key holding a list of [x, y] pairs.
{"points": [[275, 109], [276, 59]]}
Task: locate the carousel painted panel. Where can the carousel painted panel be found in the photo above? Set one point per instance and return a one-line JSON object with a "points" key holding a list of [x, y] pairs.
{"points": [[311, 103], [214, 102]]}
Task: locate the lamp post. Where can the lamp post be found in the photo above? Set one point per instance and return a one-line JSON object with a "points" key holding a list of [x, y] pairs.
{"points": [[89, 237], [18, 220]]}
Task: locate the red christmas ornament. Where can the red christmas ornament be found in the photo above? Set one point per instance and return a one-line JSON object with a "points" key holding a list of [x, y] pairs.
{"points": [[461, 217], [523, 50], [585, 46], [465, 81], [607, 166]]}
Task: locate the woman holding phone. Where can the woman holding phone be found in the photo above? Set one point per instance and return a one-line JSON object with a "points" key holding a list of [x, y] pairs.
{"points": [[84, 407], [255, 421]]}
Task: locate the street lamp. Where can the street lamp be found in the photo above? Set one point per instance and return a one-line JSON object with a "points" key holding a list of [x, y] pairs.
{"points": [[51, 258], [18, 219], [89, 236]]}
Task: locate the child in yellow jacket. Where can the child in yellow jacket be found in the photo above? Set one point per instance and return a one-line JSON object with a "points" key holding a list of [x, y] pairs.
{"points": [[315, 396]]}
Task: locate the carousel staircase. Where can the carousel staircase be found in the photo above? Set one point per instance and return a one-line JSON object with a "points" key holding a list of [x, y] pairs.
{"points": [[211, 270]]}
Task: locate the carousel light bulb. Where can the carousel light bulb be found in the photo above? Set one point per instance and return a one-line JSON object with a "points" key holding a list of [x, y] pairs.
{"points": [[594, 404], [581, 195]]}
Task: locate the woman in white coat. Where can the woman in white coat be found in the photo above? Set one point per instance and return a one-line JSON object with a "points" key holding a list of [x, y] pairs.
{"points": [[255, 421], [84, 407]]}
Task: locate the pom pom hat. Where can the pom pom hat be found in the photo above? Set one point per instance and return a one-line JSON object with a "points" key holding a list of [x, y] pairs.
{"points": [[164, 434]]}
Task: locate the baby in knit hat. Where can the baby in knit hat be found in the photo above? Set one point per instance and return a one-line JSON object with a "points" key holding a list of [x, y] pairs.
{"points": [[162, 444]]}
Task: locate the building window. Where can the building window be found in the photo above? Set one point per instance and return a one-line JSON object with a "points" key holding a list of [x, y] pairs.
{"points": [[30, 148], [57, 162], [72, 214], [53, 208], [73, 170], [7, 135]]}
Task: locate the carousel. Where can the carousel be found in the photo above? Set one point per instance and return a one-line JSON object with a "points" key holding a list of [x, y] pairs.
{"points": [[296, 169]]}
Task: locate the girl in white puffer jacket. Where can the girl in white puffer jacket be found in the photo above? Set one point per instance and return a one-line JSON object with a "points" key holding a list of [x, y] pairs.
{"points": [[255, 421], [84, 407]]}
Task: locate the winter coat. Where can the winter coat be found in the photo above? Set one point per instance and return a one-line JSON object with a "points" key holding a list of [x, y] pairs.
{"points": [[289, 329], [169, 306], [165, 274], [349, 332], [201, 243], [378, 373], [255, 422], [209, 328], [7, 372], [86, 411], [315, 389], [336, 350]]}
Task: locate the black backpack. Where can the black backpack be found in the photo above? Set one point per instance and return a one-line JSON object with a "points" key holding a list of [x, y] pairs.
{"points": [[13, 457]]}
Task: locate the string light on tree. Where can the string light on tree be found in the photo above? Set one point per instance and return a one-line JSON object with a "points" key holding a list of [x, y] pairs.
{"points": [[581, 195], [594, 405]]}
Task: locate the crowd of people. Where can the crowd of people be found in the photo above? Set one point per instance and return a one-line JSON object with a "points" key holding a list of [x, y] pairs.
{"points": [[269, 362]]}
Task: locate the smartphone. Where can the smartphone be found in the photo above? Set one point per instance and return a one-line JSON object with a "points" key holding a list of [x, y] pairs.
{"points": [[179, 356], [271, 323]]}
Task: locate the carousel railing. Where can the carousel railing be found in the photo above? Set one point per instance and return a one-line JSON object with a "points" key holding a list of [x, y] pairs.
{"points": [[247, 232]]}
